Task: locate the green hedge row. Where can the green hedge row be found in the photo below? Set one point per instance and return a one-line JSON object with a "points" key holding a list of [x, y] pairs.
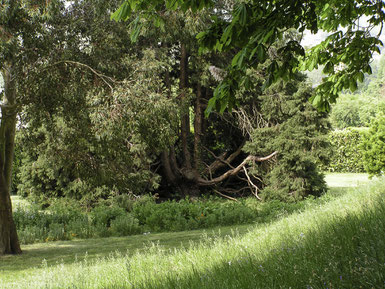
{"points": [[347, 154]]}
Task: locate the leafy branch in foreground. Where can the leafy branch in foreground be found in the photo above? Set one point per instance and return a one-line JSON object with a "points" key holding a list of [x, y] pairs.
{"points": [[253, 27]]}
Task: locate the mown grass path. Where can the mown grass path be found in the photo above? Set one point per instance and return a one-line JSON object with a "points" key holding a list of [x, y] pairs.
{"points": [[67, 252]]}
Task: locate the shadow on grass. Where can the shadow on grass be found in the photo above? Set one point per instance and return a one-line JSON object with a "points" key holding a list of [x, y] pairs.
{"points": [[345, 252], [68, 252]]}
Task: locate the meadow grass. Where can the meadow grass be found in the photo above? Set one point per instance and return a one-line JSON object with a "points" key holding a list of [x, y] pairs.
{"points": [[335, 244], [346, 180]]}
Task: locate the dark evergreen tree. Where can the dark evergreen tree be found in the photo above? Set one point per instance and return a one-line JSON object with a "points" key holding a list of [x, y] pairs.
{"points": [[298, 132]]}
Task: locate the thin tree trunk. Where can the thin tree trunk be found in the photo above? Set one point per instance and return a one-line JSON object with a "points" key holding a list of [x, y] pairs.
{"points": [[185, 120], [169, 173], [9, 242], [198, 128]]}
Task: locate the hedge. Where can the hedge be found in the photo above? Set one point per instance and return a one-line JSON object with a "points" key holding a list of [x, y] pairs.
{"points": [[347, 154]]}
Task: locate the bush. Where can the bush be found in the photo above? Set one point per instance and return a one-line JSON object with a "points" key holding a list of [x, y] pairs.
{"points": [[355, 110], [373, 146], [125, 225], [66, 220], [102, 215]]}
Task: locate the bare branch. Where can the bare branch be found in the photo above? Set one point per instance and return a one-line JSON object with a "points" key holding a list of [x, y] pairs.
{"points": [[225, 196], [252, 184], [220, 162], [234, 171], [103, 77]]}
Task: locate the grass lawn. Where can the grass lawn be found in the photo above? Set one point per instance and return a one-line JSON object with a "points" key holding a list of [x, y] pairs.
{"points": [[335, 180], [67, 252], [334, 244]]}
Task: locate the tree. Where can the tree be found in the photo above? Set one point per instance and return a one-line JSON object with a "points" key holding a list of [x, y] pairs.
{"points": [[71, 150], [151, 122], [20, 22], [253, 27], [37, 73], [299, 133]]}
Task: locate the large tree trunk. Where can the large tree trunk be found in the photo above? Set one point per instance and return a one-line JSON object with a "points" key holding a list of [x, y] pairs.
{"points": [[9, 242]]}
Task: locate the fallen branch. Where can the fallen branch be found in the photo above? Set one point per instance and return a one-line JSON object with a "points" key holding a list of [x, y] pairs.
{"points": [[234, 171], [225, 196]]}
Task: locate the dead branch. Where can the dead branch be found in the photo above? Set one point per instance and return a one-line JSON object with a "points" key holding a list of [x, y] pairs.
{"points": [[252, 184], [106, 79], [220, 162], [225, 196], [234, 171], [248, 121]]}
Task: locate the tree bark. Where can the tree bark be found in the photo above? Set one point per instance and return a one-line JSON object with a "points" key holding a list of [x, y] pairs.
{"points": [[198, 127], [9, 242], [185, 119]]}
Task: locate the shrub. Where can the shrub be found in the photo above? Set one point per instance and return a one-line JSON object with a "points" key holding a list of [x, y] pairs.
{"points": [[66, 220], [373, 146], [125, 225], [102, 215]]}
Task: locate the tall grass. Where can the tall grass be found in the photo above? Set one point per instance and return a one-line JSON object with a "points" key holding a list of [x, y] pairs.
{"points": [[339, 244]]}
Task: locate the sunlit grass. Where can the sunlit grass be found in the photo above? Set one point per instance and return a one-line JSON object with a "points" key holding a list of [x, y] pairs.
{"points": [[67, 252], [338, 244], [338, 180]]}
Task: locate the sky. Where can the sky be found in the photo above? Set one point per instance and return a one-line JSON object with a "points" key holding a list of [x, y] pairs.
{"points": [[310, 40]]}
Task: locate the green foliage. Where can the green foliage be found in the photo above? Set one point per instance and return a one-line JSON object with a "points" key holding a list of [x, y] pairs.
{"points": [[253, 27], [187, 215], [99, 158], [354, 111], [99, 120], [65, 219], [125, 225], [298, 132], [373, 146], [347, 152], [357, 110]]}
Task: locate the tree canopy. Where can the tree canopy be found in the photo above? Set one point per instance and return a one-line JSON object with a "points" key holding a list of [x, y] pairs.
{"points": [[253, 26]]}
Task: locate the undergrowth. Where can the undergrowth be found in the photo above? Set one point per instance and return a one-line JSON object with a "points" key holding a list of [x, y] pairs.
{"points": [[65, 219]]}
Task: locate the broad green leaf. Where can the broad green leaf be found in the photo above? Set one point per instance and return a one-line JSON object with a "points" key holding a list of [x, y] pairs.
{"points": [[226, 34], [261, 53], [201, 35], [268, 35], [242, 14], [210, 106], [123, 13], [368, 69], [223, 103], [329, 68], [234, 62]]}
